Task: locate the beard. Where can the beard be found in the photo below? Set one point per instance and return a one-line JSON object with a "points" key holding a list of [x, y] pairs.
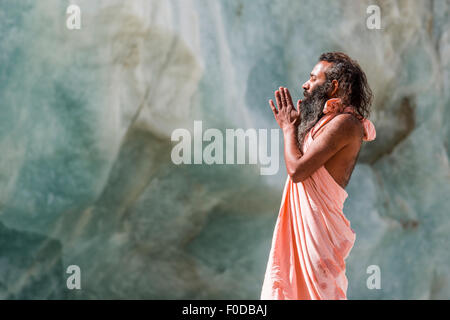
{"points": [[312, 110]]}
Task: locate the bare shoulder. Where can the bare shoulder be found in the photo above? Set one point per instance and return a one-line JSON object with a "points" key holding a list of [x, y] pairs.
{"points": [[347, 125], [342, 130]]}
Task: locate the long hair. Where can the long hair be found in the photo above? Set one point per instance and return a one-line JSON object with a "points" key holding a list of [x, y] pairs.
{"points": [[353, 87]]}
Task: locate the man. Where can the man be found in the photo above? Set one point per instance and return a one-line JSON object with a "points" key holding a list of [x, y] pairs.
{"points": [[322, 140]]}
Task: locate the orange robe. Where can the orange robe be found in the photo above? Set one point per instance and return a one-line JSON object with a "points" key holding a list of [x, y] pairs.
{"points": [[312, 236]]}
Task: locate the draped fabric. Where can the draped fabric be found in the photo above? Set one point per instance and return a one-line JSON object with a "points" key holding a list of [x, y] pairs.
{"points": [[312, 236]]}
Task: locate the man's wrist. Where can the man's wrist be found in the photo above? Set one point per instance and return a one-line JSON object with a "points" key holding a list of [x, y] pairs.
{"points": [[289, 129]]}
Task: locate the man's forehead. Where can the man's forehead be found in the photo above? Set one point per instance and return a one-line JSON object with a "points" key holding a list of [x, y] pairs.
{"points": [[320, 68]]}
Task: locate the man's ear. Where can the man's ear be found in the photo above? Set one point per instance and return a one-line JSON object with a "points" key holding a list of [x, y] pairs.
{"points": [[334, 88]]}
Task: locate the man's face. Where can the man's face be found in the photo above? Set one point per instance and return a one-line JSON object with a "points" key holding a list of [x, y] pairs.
{"points": [[316, 79], [316, 92]]}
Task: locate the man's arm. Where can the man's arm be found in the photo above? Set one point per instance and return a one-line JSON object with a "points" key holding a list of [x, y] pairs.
{"points": [[338, 133], [292, 153]]}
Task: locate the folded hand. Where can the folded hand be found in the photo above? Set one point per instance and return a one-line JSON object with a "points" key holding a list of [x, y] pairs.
{"points": [[286, 115]]}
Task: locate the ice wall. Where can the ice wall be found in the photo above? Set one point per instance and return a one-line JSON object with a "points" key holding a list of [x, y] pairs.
{"points": [[86, 118]]}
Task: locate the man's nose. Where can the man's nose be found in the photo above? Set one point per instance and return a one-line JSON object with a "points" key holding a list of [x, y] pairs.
{"points": [[305, 86]]}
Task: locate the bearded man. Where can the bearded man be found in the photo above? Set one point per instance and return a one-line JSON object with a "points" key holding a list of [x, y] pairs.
{"points": [[322, 140]]}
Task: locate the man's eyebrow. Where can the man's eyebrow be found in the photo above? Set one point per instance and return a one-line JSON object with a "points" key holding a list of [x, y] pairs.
{"points": [[312, 74]]}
